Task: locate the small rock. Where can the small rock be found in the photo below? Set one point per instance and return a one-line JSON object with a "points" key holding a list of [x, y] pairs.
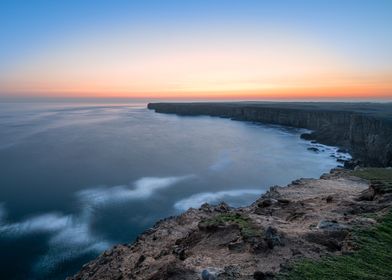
{"points": [[283, 200], [273, 192], [330, 225], [295, 215], [329, 199], [237, 246], [180, 252], [296, 182], [222, 207], [230, 272], [108, 253], [295, 252], [367, 195], [352, 164], [332, 240], [140, 260], [205, 207], [265, 203], [307, 136], [206, 275], [345, 151], [313, 149], [272, 237]]}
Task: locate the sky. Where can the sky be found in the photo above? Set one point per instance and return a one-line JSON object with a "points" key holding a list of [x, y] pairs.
{"points": [[261, 49]]}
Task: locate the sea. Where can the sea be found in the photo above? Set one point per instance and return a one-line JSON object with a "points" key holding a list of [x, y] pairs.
{"points": [[79, 177]]}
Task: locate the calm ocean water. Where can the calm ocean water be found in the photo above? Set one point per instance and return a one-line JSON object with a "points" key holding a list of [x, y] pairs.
{"points": [[78, 178]]}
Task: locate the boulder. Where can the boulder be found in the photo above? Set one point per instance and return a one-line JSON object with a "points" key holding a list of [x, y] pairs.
{"points": [[332, 240], [266, 203], [330, 225], [272, 237]]}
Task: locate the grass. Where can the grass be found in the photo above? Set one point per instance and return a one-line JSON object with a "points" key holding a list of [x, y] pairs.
{"points": [[244, 223], [372, 260], [381, 178]]}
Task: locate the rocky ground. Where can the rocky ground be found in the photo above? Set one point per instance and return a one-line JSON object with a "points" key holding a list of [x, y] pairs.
{"points": [[309, 218]]}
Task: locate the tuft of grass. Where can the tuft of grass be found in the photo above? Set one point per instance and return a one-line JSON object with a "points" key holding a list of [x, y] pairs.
{"points": [[381, 178], [374, 173], [372, 261], [243, 222]]}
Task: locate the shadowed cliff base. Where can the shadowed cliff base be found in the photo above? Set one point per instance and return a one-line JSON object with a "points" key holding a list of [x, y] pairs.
{"points": [[364, 129]]}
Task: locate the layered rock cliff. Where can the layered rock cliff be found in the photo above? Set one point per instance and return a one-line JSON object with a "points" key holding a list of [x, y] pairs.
{"points": [[365, 129]]}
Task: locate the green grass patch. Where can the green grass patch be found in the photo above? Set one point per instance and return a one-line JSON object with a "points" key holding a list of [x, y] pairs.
{"points": [[372, 261], [243, 222], [381, 178]]}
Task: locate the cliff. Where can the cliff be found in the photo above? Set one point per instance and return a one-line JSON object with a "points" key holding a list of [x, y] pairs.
{"points": [[310, 218], [365, 129], [306, 220]]}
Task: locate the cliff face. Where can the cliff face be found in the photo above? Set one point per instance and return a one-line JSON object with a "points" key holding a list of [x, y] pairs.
{"points": [[367, 136]]}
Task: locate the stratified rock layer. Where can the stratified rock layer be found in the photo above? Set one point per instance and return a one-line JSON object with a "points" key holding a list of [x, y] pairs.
{"points": [[365, 129]]}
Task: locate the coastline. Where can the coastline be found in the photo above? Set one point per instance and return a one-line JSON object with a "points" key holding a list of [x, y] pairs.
{"points": [[363, 129], [307, 219]]}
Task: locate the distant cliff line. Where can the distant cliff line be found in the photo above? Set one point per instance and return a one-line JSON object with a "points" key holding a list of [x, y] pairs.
{"points": [[364, 129]]}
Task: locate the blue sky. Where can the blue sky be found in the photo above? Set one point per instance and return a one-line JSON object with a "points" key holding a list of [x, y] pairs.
{"points": [[360, 30]]}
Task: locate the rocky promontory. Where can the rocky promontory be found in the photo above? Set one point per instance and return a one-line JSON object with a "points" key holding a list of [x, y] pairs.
{"points": [[310, 218], [364, 129]]}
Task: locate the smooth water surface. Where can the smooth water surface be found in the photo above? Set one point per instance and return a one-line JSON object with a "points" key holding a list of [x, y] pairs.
{"points": [[78, 178]]}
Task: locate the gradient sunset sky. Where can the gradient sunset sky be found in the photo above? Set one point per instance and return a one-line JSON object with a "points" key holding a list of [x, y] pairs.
{"points": [[240, 49]]}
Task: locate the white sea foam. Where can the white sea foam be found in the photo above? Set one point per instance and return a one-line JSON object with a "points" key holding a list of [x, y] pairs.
{"points": [[50, 222], [197, 200], [59, 254], [72, 241], [332, 151], [77, 239], [222, 163], [142, 189], [71, 235]]}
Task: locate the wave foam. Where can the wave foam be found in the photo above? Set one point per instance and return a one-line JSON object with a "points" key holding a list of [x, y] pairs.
{"points": [[196, 200], [72, 235], [143, 188], [43, 223], [221, 163]]}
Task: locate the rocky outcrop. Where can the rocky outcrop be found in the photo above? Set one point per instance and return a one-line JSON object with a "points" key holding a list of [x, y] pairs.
{"points": [[307, 219], [365, 130]]}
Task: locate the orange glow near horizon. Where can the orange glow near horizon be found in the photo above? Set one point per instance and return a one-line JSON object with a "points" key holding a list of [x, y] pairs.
{"points": [[293, 68]]}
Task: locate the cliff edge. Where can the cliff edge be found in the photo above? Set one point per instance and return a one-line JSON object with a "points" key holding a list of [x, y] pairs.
{"points": [[365, 129], [310, 218]]}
